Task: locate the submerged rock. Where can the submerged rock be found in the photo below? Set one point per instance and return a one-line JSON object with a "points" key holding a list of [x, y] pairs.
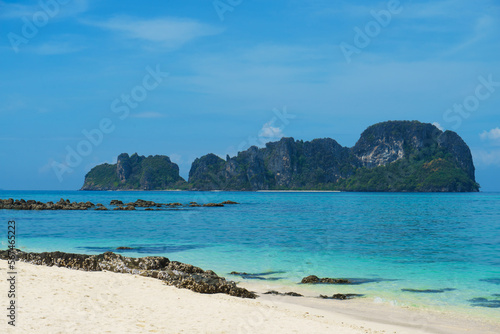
{"points": [[173, 273], [313, 279], [291, 293], [428, 290], [341, 296], [485, 302]]}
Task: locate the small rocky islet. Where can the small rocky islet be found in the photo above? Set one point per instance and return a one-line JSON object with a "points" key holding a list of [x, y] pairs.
{"points": [[62, 204]]}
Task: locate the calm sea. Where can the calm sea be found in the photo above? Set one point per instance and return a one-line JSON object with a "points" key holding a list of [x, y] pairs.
{"points": [[445, 245]]}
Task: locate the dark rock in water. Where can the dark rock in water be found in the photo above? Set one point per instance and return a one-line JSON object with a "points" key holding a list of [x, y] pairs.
{"points": [[101, 208], [258, 276], [173, 273], [123, 248], [428, 290], [115, 202], [229, 202], [213, 204], [491, 280], [484, 302], [276, 293], [341, 296], [313, 279]]}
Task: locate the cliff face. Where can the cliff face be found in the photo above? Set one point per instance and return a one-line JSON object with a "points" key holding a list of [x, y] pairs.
{"points": [[286, 164], [389, 156], [411, 156], [135, 172]]}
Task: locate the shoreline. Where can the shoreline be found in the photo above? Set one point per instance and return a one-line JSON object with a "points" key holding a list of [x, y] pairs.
{"points": [[54, 299]]}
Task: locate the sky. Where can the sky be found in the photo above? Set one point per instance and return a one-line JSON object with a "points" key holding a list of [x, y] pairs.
{"points": [[84, 80]]}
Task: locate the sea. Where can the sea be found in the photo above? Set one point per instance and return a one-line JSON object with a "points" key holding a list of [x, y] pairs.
{"points": [[425, 250]]}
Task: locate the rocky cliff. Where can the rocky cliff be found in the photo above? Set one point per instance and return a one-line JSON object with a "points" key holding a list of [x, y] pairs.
{"points": [[389, 156], [135, 172]]}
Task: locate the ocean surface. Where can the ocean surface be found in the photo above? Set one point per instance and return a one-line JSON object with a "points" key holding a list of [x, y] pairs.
{"points": [[445, 246]]}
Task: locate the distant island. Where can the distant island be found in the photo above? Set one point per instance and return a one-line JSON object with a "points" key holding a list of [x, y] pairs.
{"points": [[393, 156]]}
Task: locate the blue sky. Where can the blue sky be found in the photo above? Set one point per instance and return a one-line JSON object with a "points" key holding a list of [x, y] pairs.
{"points": [[186, 78]]}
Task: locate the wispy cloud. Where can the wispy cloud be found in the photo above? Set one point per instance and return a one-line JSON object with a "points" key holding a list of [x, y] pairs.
{"points": [[492, 135], [148, 114], [169, 31], [486, 157], [16, 11], [55, 48]]}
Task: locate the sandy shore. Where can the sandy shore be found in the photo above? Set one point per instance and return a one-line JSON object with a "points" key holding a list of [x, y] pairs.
{"points": [[59, 300]]}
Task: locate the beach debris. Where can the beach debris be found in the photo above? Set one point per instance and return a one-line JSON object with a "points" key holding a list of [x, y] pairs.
{"points": [[313, 279], [180, 275], [291, 293]]}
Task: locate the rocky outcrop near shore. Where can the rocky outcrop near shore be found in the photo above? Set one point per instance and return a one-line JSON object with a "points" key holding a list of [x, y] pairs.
{"points": [[62, 204], [313, 279], [173, 273]]}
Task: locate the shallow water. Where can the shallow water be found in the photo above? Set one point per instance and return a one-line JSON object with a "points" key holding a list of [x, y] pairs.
{"points": [[424, 250]]}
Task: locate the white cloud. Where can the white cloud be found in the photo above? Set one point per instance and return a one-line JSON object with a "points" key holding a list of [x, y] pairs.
{"points": [[148, 114], [437, 125], [171, 32], [486, 158], [493, 134], [269, 131]]}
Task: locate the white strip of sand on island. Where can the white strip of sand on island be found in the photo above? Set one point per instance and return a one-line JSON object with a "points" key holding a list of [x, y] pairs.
{"points": [[60, 300]]}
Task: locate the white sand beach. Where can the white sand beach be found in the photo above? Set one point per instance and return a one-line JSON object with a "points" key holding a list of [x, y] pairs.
{"points": [[60, 300]]}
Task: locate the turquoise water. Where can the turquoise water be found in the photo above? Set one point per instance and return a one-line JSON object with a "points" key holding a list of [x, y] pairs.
{"points": [[448, 242]]}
